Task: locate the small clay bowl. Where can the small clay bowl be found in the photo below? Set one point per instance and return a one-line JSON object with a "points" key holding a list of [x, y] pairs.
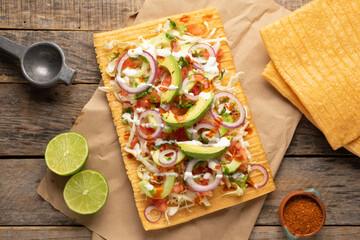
{"points": [[311, 193]]}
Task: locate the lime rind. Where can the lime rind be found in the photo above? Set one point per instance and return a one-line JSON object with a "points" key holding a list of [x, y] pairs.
{"points": [[66, 153], [96, 188]]}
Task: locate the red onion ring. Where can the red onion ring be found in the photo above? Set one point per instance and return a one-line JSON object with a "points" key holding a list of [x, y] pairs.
{"points": [[200, 188], [142, 88], [216, 116], [204, 46], [148, 217], [204, 125], [159, 128], [165, 162], [264, 172], [186, 93]]}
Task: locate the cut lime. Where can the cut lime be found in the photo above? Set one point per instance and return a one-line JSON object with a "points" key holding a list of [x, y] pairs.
{"points": [[66, 153], [86, 192]]}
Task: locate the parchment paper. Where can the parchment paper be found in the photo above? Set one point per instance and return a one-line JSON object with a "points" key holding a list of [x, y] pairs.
{"points": [[275, 119]]}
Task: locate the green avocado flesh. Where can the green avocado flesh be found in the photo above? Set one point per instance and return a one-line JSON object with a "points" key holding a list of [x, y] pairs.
{"points": [[172, 66], [201, 152], [194, 114], [232, 166], [223, 130], [155, 157], [159, 192]]}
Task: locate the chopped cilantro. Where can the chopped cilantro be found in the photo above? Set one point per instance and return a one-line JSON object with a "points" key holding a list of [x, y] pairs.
{"points": [[152, 191], [153, 106], [172, 23], [226, 171], [170, 36], [196, 54], [156, 147], [182, 29], [153, 99], [183, 62], [236, 181], [243, 181], [186, 104], [198, 164], [143, 94], [222, 74], [146, 79]]}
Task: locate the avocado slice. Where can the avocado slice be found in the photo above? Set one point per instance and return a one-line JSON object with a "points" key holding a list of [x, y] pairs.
{"points": [[161, 40], [194, 114], [158, 192], [172, 66], [201, 152], [226, 118], [155, 157]]}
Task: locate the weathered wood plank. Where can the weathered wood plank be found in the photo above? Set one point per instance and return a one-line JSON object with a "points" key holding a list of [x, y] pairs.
{"points": [[61, 233], [308, 140], [19, 203], [66, 15], [327, 233], [79, 15], [77, 46], [259, 232], [31, 117], [335, 178]]}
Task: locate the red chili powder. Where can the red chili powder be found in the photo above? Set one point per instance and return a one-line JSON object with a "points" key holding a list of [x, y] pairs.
{"points": [[302, 215]]}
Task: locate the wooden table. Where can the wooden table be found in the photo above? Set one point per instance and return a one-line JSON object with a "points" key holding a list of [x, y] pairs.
{"points": [[31, 117]]}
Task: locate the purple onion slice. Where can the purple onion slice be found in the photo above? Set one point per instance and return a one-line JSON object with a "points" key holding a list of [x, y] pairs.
{"points": [[200, 188], [142, 87], [218, 117], [204, 46], [170, 162], [199, 126], [159, 123], [147, 212], [263, 170]]}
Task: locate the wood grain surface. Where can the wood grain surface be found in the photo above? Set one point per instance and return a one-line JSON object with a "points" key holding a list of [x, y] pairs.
{"points": [[31, 117]]}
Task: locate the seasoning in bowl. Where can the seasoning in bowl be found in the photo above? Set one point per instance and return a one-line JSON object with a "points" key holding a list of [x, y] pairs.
{"points": [[302, 215]]}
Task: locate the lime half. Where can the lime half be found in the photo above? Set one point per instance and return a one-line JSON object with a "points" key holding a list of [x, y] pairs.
{"points": [[86, 192], [66, 153]]}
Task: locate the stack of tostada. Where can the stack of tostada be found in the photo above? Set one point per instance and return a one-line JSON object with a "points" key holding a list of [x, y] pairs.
{"points": [[315, 64]]}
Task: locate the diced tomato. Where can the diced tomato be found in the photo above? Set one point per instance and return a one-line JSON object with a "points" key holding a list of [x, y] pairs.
{"points": [[184, 18], [166, 83], [134, 142], [165, 169], [178, 187], [219, 55], [197, 89], [144, 102], [243, 167], [160, 204], [128, 63], [185, 71], [178, 111], [175, 46], [147, 131], [197, 30], [180, 135], [205, 54]]}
